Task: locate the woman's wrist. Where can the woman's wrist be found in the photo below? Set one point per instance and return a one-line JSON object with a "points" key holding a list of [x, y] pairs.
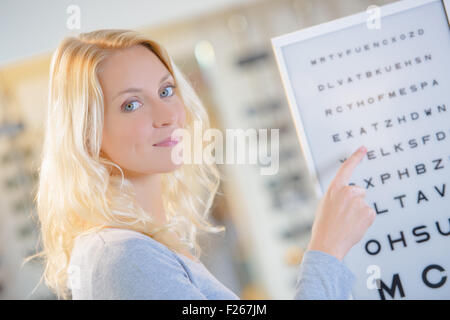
{"points": [[325, 249]]}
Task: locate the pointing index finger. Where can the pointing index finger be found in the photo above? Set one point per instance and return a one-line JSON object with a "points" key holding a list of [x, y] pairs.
{"points": [[345, 171]]}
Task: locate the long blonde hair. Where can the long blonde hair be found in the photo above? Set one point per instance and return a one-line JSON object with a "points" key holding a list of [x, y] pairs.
{"points": [[77, 192]]}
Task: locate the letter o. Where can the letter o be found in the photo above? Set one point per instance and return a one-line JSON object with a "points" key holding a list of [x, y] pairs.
{"points": [[367, 247]]}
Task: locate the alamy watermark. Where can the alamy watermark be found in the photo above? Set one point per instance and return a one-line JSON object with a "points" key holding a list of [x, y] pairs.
{"points": [[250, 146], [374, 19], [74, 19], [373, 281]]}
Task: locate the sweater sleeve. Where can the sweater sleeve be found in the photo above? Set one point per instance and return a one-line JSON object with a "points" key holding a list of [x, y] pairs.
{"points": [[323, 277], [136, 270]]}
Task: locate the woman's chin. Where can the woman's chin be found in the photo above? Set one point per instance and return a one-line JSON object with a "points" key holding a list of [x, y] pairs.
{"points": [[169, 167]]}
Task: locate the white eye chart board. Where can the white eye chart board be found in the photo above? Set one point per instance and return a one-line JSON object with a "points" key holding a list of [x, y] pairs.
{"points": [[350, 83]]}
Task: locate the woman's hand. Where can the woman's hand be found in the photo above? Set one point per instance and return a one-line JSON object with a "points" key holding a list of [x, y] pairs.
{"points": [[343, 216]]}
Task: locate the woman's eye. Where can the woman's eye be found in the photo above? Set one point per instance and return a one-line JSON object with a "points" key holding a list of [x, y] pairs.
{"points": [[170, 91], [131, 106]]}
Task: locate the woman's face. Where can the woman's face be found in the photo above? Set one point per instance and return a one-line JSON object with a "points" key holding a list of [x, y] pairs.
{"points": [[141, 108]]}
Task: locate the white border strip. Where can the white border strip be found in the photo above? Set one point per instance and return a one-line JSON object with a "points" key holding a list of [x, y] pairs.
{"points": [[446, 4]]}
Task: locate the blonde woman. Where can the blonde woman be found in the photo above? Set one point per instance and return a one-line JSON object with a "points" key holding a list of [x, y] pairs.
{"points": [[119, 219]]}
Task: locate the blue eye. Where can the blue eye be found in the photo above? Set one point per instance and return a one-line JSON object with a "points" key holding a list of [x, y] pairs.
{"points": [[171, 89], [129, 106]]}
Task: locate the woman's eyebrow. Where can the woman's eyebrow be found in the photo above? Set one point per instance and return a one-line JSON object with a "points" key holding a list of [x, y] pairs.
{"points": [[128, 90], [140, 89], [165, 78]]}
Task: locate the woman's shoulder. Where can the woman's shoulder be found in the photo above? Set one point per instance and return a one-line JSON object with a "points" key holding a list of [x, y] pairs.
{"points": [[116, 235], [122, 258], [117, 239]]}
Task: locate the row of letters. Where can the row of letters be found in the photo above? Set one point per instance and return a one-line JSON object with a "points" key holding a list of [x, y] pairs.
{"points": [[389, 123], [403, 174], [372, 73], [420, 233], [400, 147], [380, 97], [409, 35]]}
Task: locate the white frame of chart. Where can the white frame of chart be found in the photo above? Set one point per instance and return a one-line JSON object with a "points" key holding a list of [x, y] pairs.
{"points": [[316, 31]]}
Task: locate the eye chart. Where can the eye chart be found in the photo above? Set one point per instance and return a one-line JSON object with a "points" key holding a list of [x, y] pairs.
{"points": [[383, 83]]}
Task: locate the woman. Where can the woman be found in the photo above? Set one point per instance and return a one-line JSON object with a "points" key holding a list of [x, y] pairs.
{"points": [[118, 217]]}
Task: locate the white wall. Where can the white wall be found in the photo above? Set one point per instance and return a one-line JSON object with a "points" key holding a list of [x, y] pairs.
{"points": [[34, 27]]}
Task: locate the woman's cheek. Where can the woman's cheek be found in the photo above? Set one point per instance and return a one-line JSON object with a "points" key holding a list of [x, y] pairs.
{"points": [[142, 132]]}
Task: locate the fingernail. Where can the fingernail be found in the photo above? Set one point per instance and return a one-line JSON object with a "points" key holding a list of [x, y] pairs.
{"points": [[362, 149]]}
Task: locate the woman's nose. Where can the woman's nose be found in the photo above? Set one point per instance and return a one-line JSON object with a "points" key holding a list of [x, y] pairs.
{"points": [[164, 116]]}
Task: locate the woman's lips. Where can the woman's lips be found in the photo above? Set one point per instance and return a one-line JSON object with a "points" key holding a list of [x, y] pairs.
{"points": [[169, 142]]}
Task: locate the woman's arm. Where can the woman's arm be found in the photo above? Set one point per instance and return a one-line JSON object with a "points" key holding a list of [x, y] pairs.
{"points": [[323, 277], [133, 269], [342, 218]]}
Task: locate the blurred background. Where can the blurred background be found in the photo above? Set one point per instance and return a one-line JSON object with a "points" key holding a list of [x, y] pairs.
{"points": [[224, 48]]}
